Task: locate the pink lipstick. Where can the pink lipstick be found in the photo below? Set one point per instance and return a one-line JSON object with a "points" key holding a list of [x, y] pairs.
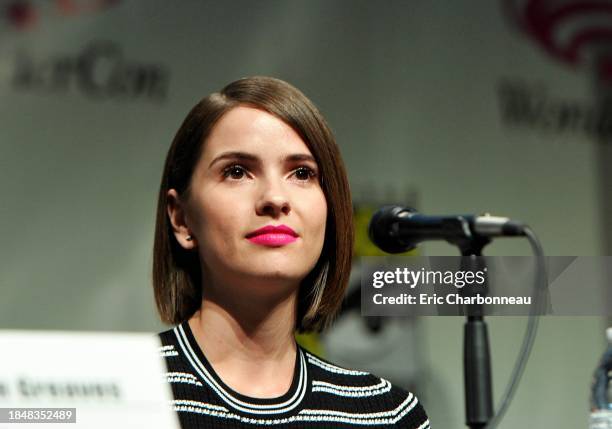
{"points": [[273, 236]]}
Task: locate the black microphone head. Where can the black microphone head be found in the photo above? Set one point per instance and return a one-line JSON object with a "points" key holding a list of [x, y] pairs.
{"points": [[383, 229]]}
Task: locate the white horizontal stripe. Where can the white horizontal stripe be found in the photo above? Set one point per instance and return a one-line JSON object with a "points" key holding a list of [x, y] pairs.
{"points": [[164, 348], [199, 404], [364, 415], [353, 394], [333, 368], [184, 381], [180, 374], [182, 377], [318, 416], [383, 383], [352, 391]]}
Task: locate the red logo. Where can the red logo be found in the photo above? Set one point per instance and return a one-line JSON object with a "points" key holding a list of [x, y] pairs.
{"points": [[577, 32], [25, 14]]}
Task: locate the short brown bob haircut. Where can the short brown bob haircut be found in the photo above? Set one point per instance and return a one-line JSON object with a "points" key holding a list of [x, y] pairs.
{"points": [[176, 272]]}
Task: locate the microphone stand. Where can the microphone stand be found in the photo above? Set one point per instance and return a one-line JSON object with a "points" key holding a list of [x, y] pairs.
{"points": [[476, 356]]}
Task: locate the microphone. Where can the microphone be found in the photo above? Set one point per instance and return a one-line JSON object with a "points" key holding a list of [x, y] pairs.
{"points": [[396, 229]]}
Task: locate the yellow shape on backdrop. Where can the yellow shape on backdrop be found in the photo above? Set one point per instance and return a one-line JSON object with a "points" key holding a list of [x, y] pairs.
{"points": [[312, 342]]}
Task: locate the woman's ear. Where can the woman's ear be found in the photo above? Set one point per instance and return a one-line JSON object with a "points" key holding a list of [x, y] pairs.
{"points": [[176, 214]]}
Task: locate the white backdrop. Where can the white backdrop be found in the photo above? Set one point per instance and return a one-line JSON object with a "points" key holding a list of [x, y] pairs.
{"points": [[411, 90]]}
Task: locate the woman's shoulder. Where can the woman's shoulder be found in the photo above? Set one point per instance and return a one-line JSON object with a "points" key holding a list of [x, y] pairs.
{"points": [[168, 342], [167, 336], [363, 395]]}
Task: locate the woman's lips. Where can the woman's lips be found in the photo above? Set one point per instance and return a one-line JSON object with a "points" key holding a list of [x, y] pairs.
{"points": [[273, 239], [273, 235]]}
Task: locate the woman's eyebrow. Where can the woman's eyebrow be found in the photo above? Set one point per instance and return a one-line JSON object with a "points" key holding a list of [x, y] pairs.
{"points": [[235, 155], [244, 156], [300, 157]]}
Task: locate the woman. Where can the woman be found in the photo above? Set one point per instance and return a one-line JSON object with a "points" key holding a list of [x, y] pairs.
{"points": [[253, 241]]}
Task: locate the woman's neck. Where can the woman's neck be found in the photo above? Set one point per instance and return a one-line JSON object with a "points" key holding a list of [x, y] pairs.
{"points": [[249, 342]]}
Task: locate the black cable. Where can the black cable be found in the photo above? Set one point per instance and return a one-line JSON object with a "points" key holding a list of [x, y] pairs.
{"points": [[540, 302]]}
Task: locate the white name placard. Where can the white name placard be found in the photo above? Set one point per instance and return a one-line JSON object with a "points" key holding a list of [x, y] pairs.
{"points": [[110, 380]]}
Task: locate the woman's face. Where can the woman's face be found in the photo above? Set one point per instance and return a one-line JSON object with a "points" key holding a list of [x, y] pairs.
{"points": [[255, 172]]}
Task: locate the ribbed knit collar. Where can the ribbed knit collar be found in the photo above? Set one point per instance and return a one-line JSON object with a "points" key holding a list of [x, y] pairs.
{"points": [[268, 406]]}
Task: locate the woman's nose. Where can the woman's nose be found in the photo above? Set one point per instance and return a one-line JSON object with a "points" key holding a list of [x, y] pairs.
{"points": [[273, 200]]}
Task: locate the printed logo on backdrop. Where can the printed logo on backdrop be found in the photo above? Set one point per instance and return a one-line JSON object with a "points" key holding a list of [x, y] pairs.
{"points": [[578, 35], [534, 106], [101, 70], [574, 32]]}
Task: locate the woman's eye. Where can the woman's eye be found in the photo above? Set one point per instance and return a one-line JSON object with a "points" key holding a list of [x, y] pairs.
{"points": [[234, 171], [304, 173]]}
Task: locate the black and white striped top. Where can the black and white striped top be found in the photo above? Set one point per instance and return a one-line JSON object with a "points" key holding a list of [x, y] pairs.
{"points": [[322, 395]]}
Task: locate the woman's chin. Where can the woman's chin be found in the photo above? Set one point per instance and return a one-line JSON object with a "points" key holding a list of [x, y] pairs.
{"points": [[272, 278]]}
